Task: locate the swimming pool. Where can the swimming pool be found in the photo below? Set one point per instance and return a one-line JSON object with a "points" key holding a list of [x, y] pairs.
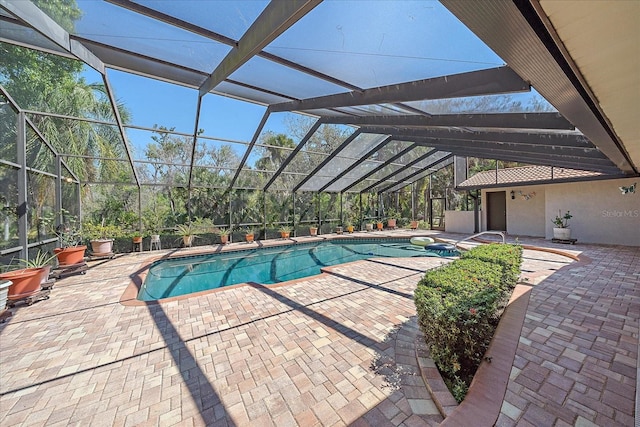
{"points": [[185, 275]]}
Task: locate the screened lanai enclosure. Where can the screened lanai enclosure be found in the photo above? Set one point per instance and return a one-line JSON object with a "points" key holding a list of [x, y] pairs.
{"points": [[141, 115]]}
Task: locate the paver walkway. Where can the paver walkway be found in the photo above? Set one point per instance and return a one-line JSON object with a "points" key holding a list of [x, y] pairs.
{"points": [[577, 360], [335, 349]]}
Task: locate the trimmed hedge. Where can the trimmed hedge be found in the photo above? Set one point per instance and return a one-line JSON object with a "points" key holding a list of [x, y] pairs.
{"points": [[508, 256], [459, 306]]}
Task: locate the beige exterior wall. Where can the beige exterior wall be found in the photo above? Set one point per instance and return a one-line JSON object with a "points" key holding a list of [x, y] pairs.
{"points": [[525, 213], [601, 213], [458, 221]]}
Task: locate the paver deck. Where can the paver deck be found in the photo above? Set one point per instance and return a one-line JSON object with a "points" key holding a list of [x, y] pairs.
{"points": [[334, 349]]}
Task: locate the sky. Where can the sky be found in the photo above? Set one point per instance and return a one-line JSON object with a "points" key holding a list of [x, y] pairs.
{"points": [[152, 102], [392, 42]]}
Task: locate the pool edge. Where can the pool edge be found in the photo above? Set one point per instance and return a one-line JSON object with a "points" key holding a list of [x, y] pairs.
{"points": [[129, 297]]}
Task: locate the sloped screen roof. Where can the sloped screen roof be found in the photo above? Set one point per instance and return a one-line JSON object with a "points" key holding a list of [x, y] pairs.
{"points": [[406, 84]]}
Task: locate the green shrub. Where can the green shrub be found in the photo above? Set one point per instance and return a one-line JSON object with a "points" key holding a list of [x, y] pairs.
{"points": [[97, 231], [459, 306], [508, 256]]}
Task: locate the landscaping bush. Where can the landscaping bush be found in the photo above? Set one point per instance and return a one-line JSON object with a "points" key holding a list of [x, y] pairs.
{"points": [[459, 306], [508, 256]]}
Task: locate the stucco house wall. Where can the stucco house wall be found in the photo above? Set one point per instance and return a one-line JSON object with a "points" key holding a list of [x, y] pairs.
{"points": [[525, 212], [601, 212], [458, 221]]}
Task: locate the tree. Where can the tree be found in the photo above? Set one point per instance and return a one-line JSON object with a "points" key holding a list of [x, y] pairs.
{"points": [[274, 149], [45, 82], [31, 76], [213, 168], [171, 157]]}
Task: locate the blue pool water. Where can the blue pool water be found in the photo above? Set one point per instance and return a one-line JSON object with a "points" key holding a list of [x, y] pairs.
{"points": [[180, 276]]}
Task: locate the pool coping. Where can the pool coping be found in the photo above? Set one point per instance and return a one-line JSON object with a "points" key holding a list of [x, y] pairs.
{"points": [[130, 294]]}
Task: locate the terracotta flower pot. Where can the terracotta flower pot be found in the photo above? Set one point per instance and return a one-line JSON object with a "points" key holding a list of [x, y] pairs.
{"points": [[350, 228], [71, 255], [414, 225], [380, 225], [285, 234], [25, 282], [391, 223], [248, 237], [224, 239], [313, 231]]}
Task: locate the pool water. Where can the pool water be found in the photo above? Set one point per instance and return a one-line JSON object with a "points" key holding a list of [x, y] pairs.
{"points": [[180, 276]]}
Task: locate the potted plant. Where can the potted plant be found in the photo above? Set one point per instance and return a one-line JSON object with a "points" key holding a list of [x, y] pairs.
{"points": [[69, 234], [285, 232], [187, 232], [249, 234], [392, 218], [27, 279], [339, 229], [136, 239], [348, 226], [561, 222], [224, 234], [41, 260], [24, 282], [368, 226], [415, 223], [380, 225], [313, 230], [100, 238], [153, 221]]}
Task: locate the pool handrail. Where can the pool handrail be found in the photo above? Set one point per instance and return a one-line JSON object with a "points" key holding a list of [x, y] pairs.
{"points": [[499, 233]]}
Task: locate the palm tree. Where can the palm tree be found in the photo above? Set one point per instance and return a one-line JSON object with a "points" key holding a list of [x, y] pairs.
{"points": [[274, 150]]}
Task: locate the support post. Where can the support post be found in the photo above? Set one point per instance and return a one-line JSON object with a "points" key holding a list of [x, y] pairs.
{"points": [[476, 223], [23, 226], [230, 212], [139, 209], [58, 189], [264, 213], [319, 214], [413, 201], [430, 207], [79, 200], [361, 213], [293, 196]]}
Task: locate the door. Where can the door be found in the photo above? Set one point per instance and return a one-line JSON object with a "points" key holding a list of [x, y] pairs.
{"points": [[497, 211]]}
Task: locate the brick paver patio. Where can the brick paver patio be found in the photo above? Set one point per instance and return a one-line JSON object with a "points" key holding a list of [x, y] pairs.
{"points": [[334, 349], [576, 362]]}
